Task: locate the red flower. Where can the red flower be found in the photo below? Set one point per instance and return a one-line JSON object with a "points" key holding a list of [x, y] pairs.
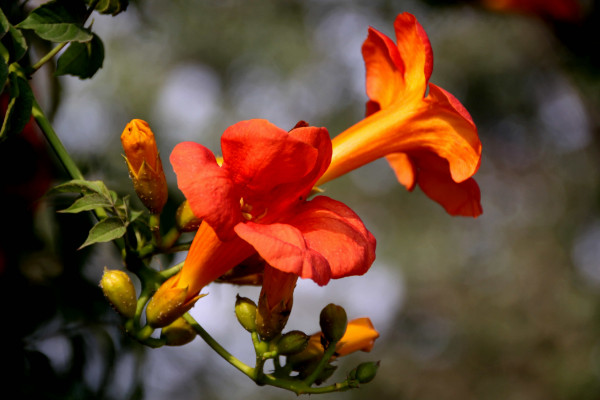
{"points": [[425, 133], [256, 201]]}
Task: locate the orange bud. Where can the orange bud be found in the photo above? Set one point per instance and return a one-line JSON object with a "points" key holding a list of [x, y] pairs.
{"points": [[168, 304], [145, 167]]}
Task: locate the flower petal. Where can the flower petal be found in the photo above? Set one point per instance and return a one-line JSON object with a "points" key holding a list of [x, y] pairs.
{"points": [[259, 156], [284, 196], [283, 247], [415, 49], [458, 198], [385, 71], [457, 139], [207, 187], [405, 170], [332, 229], [360, 336]]}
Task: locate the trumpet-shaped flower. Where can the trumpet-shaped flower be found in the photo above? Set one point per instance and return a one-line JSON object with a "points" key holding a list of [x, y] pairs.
{"points": [[425, 133], [256, 202]]}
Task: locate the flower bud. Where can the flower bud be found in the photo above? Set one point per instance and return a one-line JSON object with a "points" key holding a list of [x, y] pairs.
{"points": [[365, 372], [178, 333], [168, 304], [333, 321], [145, 167], [292, 343], [119, 291], [245, 311], [271, 321], [185, 219]]}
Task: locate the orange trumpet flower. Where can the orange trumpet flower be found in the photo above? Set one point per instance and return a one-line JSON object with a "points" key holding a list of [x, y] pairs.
{"points": [[425, 133], [256, 202]]}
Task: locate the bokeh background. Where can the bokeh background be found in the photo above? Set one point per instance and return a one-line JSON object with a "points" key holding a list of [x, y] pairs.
{"points": [[505, 306]]}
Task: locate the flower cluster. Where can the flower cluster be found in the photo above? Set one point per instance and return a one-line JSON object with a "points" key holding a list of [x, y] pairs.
{"points": [[258, 218]]}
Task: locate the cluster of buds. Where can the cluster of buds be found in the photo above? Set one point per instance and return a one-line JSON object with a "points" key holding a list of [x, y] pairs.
{"points": [[312, 357]]}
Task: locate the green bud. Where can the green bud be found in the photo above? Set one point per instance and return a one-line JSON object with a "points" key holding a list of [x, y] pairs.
{"points": [[119, 291], [292, 343], [333, 321], [178, 333], [185, 219], [365, 372], [245, 311]]}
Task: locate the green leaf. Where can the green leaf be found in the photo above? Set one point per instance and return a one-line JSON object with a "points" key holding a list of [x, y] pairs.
{"points": [[87, 203], [4, 24], [18, 112], [84, 187], [15, 45], [58, 22], [81, 59], [104, 231], [3, 72], [135, 214]]}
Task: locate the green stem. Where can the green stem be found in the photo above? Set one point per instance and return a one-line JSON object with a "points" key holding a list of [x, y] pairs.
{"points": [[326, 357], [299, 387], [48, 57], [154, 222], [55, 142], [167, 273], [247, 370], [169, 239]]}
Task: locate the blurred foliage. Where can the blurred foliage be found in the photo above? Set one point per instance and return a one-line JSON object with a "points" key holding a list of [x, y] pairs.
{"points": [[506, 306]]}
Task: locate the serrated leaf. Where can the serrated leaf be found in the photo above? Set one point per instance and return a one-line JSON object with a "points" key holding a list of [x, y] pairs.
{"points": [[87, 203], [81, 59], [82, 186], [104, 231], [55, 22], [18, 112]]}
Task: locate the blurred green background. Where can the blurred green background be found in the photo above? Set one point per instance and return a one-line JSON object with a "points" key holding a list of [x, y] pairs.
{"points": [[505, 306]]}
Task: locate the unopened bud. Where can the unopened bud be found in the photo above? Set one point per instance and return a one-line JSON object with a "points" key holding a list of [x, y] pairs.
{"points": [[270, 322], [292, 343], [185, 219], [245, 311], [145, 167], [119, 291], [168, 304], [178, 333], [365, 372], [333, 321]]}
